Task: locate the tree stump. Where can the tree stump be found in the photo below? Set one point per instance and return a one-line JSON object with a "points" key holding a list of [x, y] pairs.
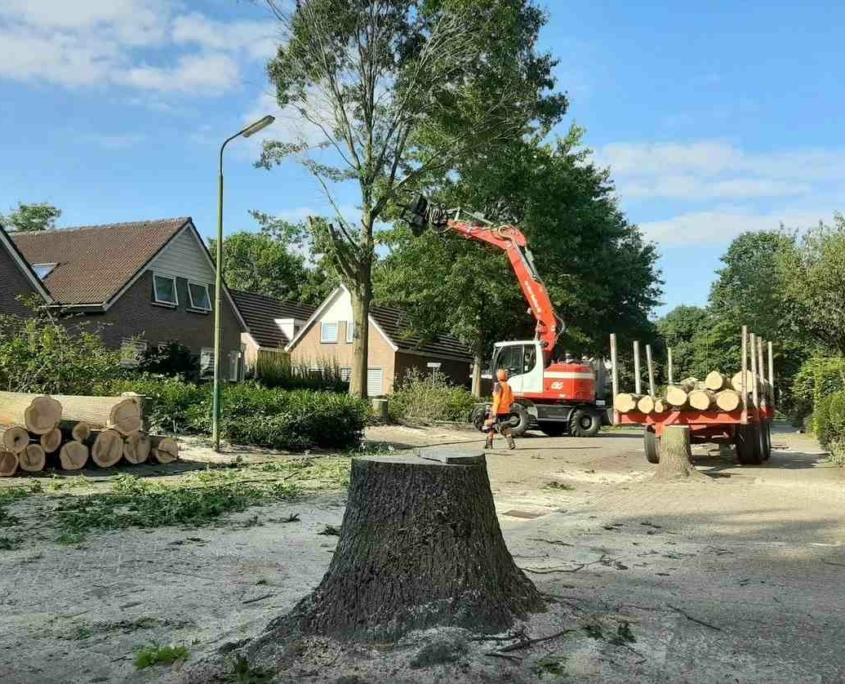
{"points": [[420, 546], [676, 456]]}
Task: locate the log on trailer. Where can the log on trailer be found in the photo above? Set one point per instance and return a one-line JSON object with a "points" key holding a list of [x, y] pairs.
{"points": [[728, 400], [16, 439], [677, 396], [715, 381], [701, 400], [625, 402], [645, 405], [33, 459], [73, 455]]}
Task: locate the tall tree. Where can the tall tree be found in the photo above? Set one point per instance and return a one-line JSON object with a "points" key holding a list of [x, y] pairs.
{"points": [[396, 89], [30, 218]]}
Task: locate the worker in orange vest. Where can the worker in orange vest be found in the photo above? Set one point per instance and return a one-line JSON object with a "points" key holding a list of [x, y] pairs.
{"points": [[500, 412]]}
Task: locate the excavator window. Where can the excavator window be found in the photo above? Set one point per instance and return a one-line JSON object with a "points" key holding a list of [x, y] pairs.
{"points": [[517, 359]]}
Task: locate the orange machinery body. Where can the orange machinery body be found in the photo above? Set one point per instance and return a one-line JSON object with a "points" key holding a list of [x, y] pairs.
{"points": [[564, 382]]}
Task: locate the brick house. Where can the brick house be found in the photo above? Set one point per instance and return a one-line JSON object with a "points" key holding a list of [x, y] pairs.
{"points": [[327, 337], [272, 323], [144, 283], [17, 279]]}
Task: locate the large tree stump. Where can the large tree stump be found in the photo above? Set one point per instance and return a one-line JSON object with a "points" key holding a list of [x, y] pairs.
{"points": [[676, 456], [420, 546]]}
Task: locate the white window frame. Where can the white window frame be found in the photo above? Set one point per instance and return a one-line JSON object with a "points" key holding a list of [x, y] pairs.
{"points": [[323, 338], [49, 266], [191, 296], [350, 331], [210, 371], [135, 345], [162, 302]]}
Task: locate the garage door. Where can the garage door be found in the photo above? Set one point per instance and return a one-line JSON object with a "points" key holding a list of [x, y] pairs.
{"points": [[375, 382]]}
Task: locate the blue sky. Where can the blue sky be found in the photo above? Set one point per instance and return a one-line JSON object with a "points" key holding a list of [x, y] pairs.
{"points": [[714, 118]]}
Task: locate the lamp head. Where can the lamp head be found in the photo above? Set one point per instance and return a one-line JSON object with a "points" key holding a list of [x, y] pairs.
{"points": [[259, 125]]}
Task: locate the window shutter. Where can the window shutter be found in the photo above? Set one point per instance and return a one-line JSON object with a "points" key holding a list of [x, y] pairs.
{"points": [[375, 382]]}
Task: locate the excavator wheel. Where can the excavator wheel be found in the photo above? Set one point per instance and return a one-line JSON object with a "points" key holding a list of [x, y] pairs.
{"points": [[519, 420], [584, 422]]}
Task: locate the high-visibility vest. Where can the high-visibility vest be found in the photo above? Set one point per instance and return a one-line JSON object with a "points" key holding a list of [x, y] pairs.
{"points": [[502, 398]]}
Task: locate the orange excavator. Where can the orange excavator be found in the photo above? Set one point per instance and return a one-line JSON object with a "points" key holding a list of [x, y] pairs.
{"points": [[559, 397]]}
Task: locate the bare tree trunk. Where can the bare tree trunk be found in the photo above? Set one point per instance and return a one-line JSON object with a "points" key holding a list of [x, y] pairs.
{"points": [[676, 456], [362, 295], [477, 364]]}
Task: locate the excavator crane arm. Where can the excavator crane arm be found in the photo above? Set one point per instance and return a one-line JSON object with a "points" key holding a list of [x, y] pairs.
{"points": [[510, 240]]}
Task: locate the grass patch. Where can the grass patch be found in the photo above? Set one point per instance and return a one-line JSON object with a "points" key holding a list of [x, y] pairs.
{"points": [[561, 486], [156, 654], [10, 543], [623, 635], [242, 672], [9, 495], [314, 474], [550, 667]]}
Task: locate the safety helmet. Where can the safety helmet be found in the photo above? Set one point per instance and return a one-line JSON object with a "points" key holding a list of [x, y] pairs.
{"points": [[502, 374]]}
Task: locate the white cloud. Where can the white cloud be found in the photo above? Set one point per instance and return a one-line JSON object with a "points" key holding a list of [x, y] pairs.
{"points": [[690, 187], [137, 44]]}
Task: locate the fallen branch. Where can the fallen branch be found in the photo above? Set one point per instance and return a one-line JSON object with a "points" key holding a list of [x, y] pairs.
{"points": [[551, 571], [841, 565], [257, 598], [495, 654], [694, 619], [525, 643]]}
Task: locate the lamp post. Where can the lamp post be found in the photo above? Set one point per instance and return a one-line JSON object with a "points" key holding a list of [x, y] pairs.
{"points": [[252, 129]]}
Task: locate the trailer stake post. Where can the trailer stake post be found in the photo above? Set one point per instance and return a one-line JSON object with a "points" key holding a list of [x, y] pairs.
{"points": [[650, 371], [638, 383], [743, 388], [669, 354], [614, 376]]}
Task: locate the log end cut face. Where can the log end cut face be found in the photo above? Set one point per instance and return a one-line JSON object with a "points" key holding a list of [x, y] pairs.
{"points": [[43, 415]]}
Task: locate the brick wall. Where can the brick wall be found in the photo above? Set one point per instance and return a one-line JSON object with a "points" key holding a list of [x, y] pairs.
{"points": [[310, 350], [135, 314], [12, 283]]}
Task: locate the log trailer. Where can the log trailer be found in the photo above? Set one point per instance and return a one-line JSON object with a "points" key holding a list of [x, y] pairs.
{"points": [[747, 426], [557, 397]]}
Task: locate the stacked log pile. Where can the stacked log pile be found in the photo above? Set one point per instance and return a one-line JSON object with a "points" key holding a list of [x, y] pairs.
{"points": [[37, 431], [716, 392]]}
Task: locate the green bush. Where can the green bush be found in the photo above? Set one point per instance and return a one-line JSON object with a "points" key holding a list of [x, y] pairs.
{"points": [[252, 414], [829, 420], [819, 377], [422, 399], [173, 359], [277, 370]]}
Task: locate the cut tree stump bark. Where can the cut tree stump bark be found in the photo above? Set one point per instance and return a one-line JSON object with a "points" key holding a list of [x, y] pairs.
{"points": [[16, 439], [73, 456], [51, 441], [33, 458], [107, 449], [136, 448], [8, 463], [164, 449], [420, 547], [676, 456]]}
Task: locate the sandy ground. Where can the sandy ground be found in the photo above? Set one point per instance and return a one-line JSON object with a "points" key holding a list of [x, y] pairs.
{"points": [[739, 579]]}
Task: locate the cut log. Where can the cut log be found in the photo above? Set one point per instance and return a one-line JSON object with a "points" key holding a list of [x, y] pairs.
{"points": [[8, 463], [33, 458], [701, 400], [728, 400], [625, 402], [137, 447], [689, 384], [16, 439], [715, 381], [676, 456], [645, 405], [77, 430], [51, 441], [660, 406], [14, 408], [107, 449], [736, 381], [405, 514], [164, 449], [43, 415], [73, 456], [676, 396], [120, 413]]}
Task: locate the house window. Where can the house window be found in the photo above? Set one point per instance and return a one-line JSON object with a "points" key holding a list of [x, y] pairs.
{"points": [[43, 270], [164, 290], [200, 299], [206, 362], [350, 330], [234, 366], [345, 373], [131, 352], [328, 333]]}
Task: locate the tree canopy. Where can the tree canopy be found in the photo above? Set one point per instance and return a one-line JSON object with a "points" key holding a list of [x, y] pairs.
{"points": [[29, 218]]}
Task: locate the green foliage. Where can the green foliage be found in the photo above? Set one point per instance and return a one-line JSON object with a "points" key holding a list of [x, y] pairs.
{"points": [[277, 370], [422, 399], [173, 359], [818, 378], [156, 654], [829, 420], [30, 218], [170, 404], [244, 673], [41, 354]]}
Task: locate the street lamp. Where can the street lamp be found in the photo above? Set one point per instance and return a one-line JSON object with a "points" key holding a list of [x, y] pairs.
{"points": [[252, 129]]}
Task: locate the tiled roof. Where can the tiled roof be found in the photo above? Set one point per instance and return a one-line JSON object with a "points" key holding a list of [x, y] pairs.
{"points": [[95, 262], [261, 312], [7, 243], [394, 322]]}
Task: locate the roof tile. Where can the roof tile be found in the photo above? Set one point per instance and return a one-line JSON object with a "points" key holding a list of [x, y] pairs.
{"points": [[261, 312]]}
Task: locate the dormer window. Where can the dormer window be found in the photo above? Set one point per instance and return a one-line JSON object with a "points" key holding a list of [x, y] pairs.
{"points": [[43, 270]]}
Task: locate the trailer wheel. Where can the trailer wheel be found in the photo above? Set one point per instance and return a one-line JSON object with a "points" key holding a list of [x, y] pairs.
{"points": [[651, 444], [767, 440], [584, 423], [747, 441]]}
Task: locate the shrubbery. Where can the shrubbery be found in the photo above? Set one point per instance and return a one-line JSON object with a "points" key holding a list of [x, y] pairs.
{"points": [[829, 424], [255, 415], [277, 370], [819, 377], [422, 399]]}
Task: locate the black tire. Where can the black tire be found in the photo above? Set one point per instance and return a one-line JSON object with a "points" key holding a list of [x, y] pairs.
{"points": [[767, 440], [554, 429], [651, 444], [747, 441], [519, 420], [478, 416], [584, 423]]}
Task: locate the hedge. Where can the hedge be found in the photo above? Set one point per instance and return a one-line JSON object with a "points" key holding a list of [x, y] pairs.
{"points": [[421, 400], [819, 377], [252, 415]]}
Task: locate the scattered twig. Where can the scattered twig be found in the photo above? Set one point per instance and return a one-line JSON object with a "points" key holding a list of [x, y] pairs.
{"points": [[550, 571], [496, 654], [694, 619], [525, 643], [826, 562], [257, 598], [651, 524], [555, 542]]}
